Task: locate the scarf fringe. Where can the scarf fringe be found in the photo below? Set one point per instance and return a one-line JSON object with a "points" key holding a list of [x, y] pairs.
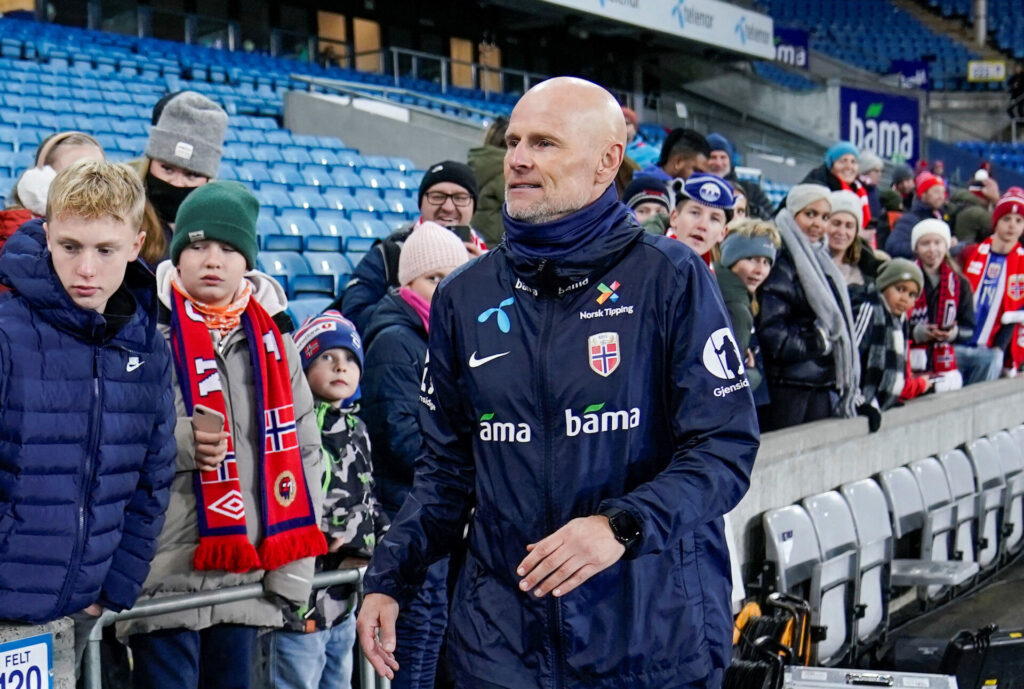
{"points": [[284, 547], [230, 553]]}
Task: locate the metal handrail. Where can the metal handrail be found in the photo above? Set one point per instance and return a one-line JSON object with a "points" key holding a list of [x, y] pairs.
{"points": [[93, 677], [363, 90]]}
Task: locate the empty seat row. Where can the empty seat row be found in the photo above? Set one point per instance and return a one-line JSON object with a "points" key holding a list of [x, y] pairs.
{"points": [[937, 525]]}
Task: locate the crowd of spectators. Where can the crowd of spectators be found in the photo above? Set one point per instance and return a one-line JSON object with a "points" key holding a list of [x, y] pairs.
{"points": [[850, 298]]}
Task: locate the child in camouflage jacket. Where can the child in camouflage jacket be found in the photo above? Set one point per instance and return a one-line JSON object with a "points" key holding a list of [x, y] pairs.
{"points": [[314, 651]]}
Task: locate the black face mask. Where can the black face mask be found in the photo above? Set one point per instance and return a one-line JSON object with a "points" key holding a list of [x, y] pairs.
{"points": [[165, 197]]}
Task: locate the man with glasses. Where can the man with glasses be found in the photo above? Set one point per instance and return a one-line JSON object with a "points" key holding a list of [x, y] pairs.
{"points": [[447, 196]]}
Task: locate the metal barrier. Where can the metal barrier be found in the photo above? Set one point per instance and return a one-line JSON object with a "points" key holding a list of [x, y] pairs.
{"points": [[93, 678]]}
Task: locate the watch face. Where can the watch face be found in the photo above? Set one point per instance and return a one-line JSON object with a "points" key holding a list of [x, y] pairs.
{"points": [[625, 527]]}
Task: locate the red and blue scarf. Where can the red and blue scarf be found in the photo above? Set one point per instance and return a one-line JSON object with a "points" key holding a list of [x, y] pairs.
{"points": [[286, 510], [941, 356]]}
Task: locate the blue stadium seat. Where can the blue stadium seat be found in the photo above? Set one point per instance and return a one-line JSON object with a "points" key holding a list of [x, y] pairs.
{"points": [[273, 195], [280, 137], [367, 225], [268, 153], [370, 200], [297, 222], [359, 245], [379, 162], [334, 223], [284, 173], [337, 199], [350, 158], [393, 220], [252, 171], [316, 175], [296, 154], [346, 177], [324, 156], [238, 151], [313, 285], [308, 197], [375, 179], [281, 242], [283, 266], [302, 309], [335, 265], [320, 242]]}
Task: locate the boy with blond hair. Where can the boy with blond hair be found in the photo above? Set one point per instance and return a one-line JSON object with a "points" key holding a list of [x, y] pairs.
{"points": [[86, 406]]}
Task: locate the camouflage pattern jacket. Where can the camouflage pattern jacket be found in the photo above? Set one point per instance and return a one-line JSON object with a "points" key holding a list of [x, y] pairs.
{"points": [[351, 513]]}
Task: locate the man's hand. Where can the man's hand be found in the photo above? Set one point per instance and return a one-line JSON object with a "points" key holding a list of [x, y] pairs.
{"points": [[211, 448], [570, 556], [95, 610], [378, 614]]}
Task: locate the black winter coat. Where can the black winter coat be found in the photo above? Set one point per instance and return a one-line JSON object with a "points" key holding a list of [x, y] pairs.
{"points": [[793, 348]]}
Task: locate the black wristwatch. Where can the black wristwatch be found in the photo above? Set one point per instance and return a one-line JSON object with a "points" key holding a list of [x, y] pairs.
{"points": [[624, 525]]}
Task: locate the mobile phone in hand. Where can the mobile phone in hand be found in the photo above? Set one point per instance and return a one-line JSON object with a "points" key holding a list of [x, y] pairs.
{"points": [[462, 232], [206, 419]]}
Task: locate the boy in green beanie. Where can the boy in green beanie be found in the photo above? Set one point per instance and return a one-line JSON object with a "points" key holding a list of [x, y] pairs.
{"points": [[246, 500]]}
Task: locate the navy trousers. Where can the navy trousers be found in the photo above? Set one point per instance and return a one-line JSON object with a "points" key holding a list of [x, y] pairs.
{"points": [[217, 657]]}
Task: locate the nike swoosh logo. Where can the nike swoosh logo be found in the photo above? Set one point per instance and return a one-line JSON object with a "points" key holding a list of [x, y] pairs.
{"points": [[132, 366], [474, 362]]}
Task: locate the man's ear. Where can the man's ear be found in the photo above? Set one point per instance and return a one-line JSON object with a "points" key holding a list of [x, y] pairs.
{"points": [[610, 161]]}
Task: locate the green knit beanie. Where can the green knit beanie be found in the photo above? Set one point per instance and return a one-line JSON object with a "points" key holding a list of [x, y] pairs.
{"points": [[222, 211]]}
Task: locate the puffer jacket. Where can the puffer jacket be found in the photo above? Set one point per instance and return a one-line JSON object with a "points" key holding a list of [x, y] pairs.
{"points": [[546, 399], [897, 244], [172, 570], [793, 347], [396, 345], [10, 220], [376, 273], [488, 163], [86, 439]]}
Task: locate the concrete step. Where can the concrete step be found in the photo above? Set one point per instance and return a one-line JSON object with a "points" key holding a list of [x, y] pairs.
{"points": [[958, 29]]}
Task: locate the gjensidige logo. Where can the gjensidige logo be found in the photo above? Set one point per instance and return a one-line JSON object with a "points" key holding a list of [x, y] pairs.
{"points": [[722, 359]]}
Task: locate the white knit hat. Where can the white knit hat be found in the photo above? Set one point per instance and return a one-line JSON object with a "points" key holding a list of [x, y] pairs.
{"points": [[430, 247], [930, 226], [843, 201], [803, 195]]}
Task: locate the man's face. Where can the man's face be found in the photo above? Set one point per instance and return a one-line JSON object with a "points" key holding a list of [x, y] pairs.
{"points": [[448, 204], [698, 226], [904, 187], [872, 177], [719, 163], [683, 167], [934, 197], [549, 165], [90, 257]]}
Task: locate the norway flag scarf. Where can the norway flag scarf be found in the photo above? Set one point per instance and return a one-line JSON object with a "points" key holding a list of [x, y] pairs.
{"points": [[997, 290], [289, 527]]}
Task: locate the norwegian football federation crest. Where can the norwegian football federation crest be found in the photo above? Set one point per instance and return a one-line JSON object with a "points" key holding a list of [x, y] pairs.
{"points": [[604, 353], [285, 488], [280, 433], [1015, 287]]}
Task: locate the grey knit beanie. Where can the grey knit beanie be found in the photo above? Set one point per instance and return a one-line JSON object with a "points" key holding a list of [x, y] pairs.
{"points": [[190, 134], [803, 195]]}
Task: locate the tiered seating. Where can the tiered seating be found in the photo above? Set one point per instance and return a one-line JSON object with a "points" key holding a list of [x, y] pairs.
{"points": [[872, 33], [938, 525], [243, 82], [783, 77], [322, 203], [1003, 17], [1001, 153]]}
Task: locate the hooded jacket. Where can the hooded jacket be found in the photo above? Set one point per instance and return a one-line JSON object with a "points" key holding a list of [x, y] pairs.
{"points": [[583, 365], [488, 163], [173, 570], [86, 439], [396, 345]]}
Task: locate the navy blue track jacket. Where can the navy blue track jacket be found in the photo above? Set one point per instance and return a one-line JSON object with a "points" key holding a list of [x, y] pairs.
{"points": [[556, 389]]}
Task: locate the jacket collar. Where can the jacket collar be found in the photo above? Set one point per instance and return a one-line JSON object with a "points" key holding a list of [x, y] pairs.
{"points": [[26, 267], [560, 256]]}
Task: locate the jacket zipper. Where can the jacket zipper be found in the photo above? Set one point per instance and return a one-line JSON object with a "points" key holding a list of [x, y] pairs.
{"points": [[91, 449], [554, 604]]}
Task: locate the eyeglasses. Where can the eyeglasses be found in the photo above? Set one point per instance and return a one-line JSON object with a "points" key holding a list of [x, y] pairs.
{"points": [[438, 198]]}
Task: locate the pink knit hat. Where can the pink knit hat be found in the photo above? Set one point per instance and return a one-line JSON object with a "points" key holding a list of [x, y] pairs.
{"points": [[430, 247]]}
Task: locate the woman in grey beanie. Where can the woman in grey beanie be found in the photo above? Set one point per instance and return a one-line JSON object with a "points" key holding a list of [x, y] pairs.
{"points": [[184, 151]]}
